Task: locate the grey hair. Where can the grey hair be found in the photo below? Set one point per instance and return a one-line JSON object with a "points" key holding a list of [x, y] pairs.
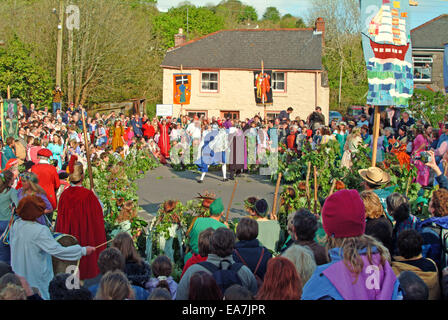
{"points": [[394, 200], [303, 259]]}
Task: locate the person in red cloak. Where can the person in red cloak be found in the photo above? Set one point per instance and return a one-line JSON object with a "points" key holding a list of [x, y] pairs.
{"points": [[80, 215], [164, 139], [47, 175]]}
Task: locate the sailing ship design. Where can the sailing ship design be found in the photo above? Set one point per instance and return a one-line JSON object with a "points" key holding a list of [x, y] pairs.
{"points": [[387, 32], [386, 48]]}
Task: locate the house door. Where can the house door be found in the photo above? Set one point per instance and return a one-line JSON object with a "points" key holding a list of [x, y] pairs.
{"points": [[233, 115]]}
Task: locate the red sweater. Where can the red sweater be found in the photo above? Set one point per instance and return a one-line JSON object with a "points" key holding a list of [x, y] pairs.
{"points": [[196, 258]]}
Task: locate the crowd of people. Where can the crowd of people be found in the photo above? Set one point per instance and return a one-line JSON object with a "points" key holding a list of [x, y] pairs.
{"points": [[375, 247]]}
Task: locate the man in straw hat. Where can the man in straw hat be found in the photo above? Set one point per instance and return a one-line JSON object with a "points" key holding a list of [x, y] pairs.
{"points": [[32, 246], [47, 176], [375, 179], [80, 214], [216, 211]]}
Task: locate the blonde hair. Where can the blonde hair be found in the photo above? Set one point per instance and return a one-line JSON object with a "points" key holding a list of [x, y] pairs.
{"points": [[303, 260], [114, 285], [78, 172], [12, 292], [372, 203], [351, 247], [356, 132]]}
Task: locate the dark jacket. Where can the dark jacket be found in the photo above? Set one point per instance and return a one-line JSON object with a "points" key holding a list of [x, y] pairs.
{"points": [[320, 253], [138, 274], [381, 229], [442, 180], [250, 251]]}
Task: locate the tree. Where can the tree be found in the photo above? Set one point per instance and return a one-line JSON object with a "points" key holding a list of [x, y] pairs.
{"points": [[272, 14], [28, 81], [343, 50], [288, 21], [248, 14], [201, 21]]}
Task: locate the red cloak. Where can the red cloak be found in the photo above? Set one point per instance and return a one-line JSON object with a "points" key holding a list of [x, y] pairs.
{"points": [[48, 180], [80, 215], [164, 141]]}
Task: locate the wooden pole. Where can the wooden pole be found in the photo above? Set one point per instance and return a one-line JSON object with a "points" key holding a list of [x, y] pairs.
{"points": [[274, 206], [376, 133], [308, 185], [231, 200], [3, 120], [59, 44], [8, 92], [333, 185], [315, 189], [86, 141]]}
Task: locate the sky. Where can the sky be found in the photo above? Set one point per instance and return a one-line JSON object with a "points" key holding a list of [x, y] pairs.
{"points": [[425, 11]]}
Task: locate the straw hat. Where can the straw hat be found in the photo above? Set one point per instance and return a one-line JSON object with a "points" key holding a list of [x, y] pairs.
{"points": [[374, 175]]}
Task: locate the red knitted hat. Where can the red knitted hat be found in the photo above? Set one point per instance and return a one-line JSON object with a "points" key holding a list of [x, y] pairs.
{"points": [[344, 214]]}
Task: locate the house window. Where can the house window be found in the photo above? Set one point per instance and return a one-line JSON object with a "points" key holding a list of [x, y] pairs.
{"points": [[192, 114], [422, 68], [272, 115], [279, 81], [209, 81], [233, 115]]}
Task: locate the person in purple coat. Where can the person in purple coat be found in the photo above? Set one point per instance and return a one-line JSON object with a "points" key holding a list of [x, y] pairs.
{"points": [[359, 267]]}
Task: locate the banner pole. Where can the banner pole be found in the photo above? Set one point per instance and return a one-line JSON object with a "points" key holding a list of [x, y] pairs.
{"points": [[376, 133]]}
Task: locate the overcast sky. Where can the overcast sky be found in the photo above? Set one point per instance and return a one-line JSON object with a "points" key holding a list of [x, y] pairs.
{"points": [[425, 11]]}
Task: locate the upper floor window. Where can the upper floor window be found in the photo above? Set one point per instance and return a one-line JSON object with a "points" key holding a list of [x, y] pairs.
{"points": [[279, 81], [209, 81], [422, 68]]}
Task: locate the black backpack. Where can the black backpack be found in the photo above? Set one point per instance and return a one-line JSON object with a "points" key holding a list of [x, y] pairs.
{"points": [[257, 277], [224, 277]]}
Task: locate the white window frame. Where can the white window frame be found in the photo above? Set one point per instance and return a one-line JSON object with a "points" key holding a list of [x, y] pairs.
{"points": [[423, 59], [275, 81], [210, 81]]}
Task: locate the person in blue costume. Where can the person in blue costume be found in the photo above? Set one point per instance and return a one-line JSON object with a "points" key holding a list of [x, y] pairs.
{"points": [[213, 151]]}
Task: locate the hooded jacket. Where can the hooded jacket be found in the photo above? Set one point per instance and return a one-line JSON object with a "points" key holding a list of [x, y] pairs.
{"points": [[333, 281]]}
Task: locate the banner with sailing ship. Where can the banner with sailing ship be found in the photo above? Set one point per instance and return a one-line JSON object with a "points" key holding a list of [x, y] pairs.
{"points": [[387, 50]]}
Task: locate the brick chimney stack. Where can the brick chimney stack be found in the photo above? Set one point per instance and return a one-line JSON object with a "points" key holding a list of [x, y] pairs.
{"points": [[320, 27], [179, 38]]}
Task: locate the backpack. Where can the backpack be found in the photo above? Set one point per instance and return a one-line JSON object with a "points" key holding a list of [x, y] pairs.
{"points": [[257, 277], [224, 277], [436, 250]]}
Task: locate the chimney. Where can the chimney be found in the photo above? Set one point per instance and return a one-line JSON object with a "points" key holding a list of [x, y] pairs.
{"points": [[320, 27], [179, 38]]}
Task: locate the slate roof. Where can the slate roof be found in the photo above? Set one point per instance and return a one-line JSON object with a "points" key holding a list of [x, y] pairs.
{"points": [[280, 49], [432, 34]]}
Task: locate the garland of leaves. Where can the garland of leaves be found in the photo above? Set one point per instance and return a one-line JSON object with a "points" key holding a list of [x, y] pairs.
{"points": [[115, 186], [327, 159]]}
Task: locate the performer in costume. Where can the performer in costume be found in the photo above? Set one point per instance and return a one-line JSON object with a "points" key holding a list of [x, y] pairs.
{"points": [[32, 246], [80, 215], [117, 135], [47, 176], [213, 151], [200, 224], [164, 140], [238, 151]]}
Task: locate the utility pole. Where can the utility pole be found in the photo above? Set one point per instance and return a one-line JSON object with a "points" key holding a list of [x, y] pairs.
{"points": [[59, 45]]}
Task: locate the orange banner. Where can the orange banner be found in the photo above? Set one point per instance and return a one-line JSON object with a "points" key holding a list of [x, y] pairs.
{"points": [[182, 88]]}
